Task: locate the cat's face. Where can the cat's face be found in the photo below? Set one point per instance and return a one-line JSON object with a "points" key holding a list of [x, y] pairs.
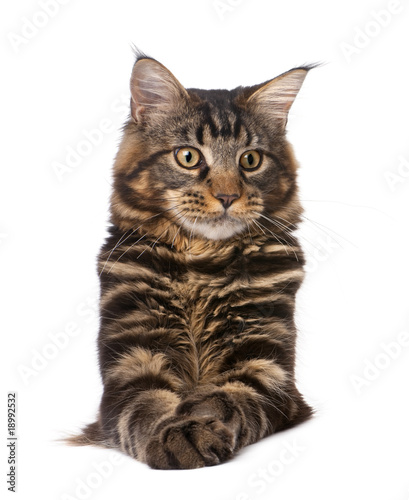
{"points": [[214, 164]]}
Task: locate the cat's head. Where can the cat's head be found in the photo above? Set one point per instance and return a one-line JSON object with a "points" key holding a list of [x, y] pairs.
{"points": [[211, 164]]}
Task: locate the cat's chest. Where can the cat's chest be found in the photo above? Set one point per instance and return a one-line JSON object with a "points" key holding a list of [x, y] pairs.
{"points": [[204, 288], [208, 292], [197, 278]]}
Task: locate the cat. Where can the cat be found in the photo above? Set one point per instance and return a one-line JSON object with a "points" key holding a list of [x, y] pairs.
{"points": [[199, 273]]}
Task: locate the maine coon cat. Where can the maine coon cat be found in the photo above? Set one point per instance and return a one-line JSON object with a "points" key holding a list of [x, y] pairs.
{"points": [[199, 273]]}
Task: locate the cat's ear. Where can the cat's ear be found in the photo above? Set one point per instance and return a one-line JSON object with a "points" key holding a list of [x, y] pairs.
{"points": [[153, 89], [275, 97]]}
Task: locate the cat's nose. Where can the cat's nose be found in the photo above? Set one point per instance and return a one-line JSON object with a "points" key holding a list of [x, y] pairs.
{"points": [[226, 199]]}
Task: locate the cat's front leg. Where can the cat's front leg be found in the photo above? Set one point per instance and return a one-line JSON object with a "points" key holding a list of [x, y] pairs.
{"points": [[141, 414]]}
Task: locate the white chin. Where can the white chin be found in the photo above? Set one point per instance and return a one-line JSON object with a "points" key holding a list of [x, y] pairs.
{"points": [[218, 230]]}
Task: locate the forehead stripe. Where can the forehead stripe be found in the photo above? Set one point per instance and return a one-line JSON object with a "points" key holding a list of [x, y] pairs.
{"points": [[237, 127], [199, 135]]}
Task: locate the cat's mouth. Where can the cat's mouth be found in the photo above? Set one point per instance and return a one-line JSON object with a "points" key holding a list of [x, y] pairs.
{"points": [[219, 228]]}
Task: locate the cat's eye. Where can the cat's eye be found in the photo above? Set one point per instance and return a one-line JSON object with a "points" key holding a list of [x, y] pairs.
{"points": [[188, 157], [250, 160]]}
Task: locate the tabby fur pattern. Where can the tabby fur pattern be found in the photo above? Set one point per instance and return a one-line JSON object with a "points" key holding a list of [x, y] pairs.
{"points": [[199, 273]]}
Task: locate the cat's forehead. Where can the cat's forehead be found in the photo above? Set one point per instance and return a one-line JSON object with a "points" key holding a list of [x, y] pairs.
{"points": [[219, 98], [216, 119]]}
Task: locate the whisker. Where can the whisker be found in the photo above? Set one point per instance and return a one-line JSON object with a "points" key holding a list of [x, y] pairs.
{"points": [[283, 229], [274, 222], [259, 226], [317, 224], [178, 231], [121, 240], [248, 228], [122, 254], [151, 246], [278, 240], [174, 238], [191, 232], [313, 245], [349, 205], [286, 229]]}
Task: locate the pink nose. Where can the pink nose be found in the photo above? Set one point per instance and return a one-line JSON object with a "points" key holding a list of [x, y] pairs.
{"points": [[226, 199]]}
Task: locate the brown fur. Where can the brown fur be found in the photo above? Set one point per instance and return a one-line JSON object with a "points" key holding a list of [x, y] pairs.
{"points": [[197, 337]]}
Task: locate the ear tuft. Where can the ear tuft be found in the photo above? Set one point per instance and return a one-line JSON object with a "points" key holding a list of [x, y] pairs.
{"points": [[153, 88]]}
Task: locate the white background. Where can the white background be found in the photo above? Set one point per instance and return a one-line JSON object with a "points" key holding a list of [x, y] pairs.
{"points": [[66, 76]]}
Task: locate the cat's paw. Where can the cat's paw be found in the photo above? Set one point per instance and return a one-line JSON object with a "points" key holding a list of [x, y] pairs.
{"points": [[189, 443]]}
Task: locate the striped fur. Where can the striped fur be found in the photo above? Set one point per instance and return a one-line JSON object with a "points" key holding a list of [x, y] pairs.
{"points": [[197, 336]]}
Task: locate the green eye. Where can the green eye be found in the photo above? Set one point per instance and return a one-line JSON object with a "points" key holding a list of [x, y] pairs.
{"points": [[188, 157], [250, 160]]}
